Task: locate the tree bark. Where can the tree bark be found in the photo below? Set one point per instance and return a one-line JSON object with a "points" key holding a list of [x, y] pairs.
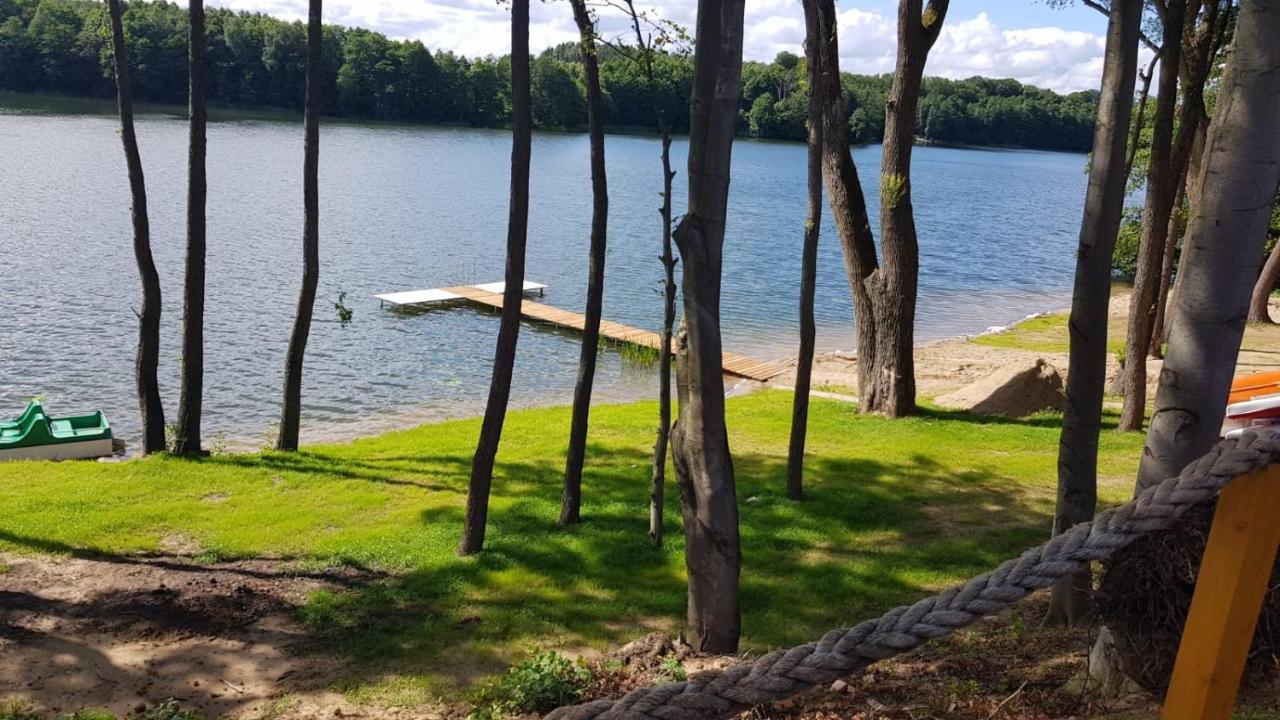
{"points": [[893, 385], [700, 440], [291, 411], [884, 297], [148, 359], [1258, 312], [504, 357], [1103, 208], [1177, 224], [808, 271], [1169, 159], [191, 393], [1140, 117], [571, 502], [657, 495], [1241, 169]]}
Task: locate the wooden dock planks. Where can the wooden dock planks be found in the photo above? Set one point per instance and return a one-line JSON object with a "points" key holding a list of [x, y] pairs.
{"points": [[732, 363]]}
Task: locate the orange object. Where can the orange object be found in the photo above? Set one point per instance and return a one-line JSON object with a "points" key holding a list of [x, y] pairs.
{"points": [[1247, 387], [1228, 597]]}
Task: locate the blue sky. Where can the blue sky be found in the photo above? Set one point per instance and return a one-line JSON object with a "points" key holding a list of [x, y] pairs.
{"points": [[1024, 39]]}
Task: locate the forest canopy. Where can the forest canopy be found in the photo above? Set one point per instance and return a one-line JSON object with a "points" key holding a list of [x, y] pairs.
{"points": [[258, 61]]}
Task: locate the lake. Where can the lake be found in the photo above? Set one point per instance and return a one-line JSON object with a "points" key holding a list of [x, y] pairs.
{"points": [[417, 207]]}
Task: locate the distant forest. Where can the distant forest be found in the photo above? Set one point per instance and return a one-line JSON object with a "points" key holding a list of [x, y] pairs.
{"points": [[257, 61]]}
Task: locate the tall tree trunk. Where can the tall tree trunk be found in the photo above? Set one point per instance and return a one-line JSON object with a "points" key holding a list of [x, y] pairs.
{"points": [[893, 384], [1193, 199], [1258, 312], [1177, 224], [808, 271], [571, 502], [191, 394], [1169, 159], [152, 410], [291, 411], [504, 356], [700, 440], [657, 495], [1242, 159], [1103, 208]]}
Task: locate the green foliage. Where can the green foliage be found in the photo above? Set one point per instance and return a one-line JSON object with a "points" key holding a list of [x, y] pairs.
{"points": [[1124, 259], [538, 685], [672, 670], [257, 61], [893, 187]]}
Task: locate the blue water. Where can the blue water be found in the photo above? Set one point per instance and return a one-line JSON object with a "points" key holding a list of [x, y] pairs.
{"points": [[409, 208]]}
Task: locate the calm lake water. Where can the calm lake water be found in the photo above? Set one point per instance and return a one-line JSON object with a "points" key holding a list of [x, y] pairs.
{"points": [[409, 208]]}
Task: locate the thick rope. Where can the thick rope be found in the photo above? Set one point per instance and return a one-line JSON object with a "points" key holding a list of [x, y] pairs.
{"points": [[722, 693]]}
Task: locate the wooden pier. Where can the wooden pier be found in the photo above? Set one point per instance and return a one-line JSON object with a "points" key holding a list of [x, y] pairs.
{"points": [[490, 295]]}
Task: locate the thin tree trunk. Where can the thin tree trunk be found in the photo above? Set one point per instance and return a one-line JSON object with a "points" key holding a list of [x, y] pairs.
{"points": [[1258, 312], [1237, 185], [1177, 224], [894, 288], [291, 411], [1193, 200], [504, 357], [149, 404], [808, 273], [657, 495], [1103, 208], [191, 395], [1169, 162], [571, 502], [700, 440], [1140, 117]]}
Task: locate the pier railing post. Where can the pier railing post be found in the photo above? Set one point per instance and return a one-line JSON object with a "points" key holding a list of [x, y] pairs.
{"points": [[1230, 589]]}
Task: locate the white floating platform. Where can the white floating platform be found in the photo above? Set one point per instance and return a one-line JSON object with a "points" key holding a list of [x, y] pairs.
{"points": [[441, 295]]}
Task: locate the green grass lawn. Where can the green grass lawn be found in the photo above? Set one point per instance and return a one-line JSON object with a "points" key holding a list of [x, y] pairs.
{"points": [[895, 510], [1046, 334]]}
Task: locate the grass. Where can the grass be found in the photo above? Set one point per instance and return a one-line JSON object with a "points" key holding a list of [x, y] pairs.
{"points": [[1045, 334], [895, 510]]}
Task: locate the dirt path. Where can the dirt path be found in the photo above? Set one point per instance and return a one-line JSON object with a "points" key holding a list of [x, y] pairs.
{"points": [[123, 635]]}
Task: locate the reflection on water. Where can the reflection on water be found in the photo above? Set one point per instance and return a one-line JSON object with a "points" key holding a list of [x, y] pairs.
{"points": [[409, 208]]}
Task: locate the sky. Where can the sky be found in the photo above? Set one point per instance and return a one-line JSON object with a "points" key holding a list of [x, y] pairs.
{"points": [[1060, 49]]}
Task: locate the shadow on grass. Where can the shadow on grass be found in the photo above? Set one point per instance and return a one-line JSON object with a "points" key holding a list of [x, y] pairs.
{"points": [[870, 535]]}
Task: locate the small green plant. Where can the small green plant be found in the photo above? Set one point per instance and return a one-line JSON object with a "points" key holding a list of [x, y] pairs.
{"points": [[344, 313], [218, 443], [893, 187], [271, 434], [672, 670], [16, 710], [538, 685], [642, 355], [170, 710]]}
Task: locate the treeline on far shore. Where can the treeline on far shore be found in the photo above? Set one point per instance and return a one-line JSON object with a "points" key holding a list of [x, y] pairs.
{"points": [[257, 61]]}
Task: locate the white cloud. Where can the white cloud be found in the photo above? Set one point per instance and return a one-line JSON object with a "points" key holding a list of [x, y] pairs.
{"points": [[1063, 60]]}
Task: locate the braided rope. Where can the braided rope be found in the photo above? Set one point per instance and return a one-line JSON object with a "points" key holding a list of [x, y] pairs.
{"points": [[722, 693]]}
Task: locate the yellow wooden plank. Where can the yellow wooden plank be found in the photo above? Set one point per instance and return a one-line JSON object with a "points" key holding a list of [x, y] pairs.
{"points": [[1229, 591]]}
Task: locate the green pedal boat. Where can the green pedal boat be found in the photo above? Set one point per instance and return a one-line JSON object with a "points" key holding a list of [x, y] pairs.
{"points": [[35, 435]]}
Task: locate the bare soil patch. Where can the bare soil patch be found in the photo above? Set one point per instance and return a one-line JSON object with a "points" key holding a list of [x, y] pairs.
{"points": [[125, 634]]}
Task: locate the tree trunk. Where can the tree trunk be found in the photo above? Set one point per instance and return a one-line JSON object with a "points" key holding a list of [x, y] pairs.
{"points": [[1258, 312], [571, 502], [291, 411], [700, 440], [1103, 208], [1177, 224], [808, 271], [1241, 169], [152, 410], [1193, 199], [884, 298], [1169, 161], [504, 356], [191, 394], [1140, 117], [894, 288]]}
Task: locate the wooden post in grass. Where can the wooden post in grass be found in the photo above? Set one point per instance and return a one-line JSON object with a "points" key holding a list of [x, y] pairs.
{"points": [[1233, 580]]}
